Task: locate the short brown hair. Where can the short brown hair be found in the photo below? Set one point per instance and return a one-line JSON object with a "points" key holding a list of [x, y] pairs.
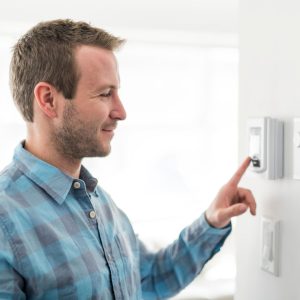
{"points": [[46, 53]]}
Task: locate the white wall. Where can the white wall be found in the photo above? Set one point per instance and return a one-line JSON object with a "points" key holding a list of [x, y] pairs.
{"points": [[270, 86]]}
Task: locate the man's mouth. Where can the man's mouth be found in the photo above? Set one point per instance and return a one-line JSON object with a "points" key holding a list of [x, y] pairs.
{"points": [[110, 128]]}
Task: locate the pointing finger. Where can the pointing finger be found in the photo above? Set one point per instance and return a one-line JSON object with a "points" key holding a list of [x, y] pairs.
{"points": [[235, 179]]}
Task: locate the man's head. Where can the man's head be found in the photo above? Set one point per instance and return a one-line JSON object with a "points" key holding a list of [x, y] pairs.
{"points": [[46, 53], [64, 74]]}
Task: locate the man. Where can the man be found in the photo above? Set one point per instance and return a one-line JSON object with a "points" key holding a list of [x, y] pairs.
{"points": [[61, 235]]}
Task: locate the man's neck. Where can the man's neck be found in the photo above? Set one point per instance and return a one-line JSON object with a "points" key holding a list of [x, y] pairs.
{"points": [[45, 152]]}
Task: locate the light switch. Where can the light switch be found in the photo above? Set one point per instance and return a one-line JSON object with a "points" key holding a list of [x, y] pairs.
{"points": [[270, 246], [296, 149]]}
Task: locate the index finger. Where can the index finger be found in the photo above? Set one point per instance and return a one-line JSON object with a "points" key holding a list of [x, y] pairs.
{"points": [[235, 179]]}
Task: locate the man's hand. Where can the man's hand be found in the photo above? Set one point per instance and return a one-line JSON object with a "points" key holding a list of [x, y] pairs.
{"points": [[231, 200]]}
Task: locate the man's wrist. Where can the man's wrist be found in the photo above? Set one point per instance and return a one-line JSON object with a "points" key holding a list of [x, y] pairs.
{"points": [[211, 224]]}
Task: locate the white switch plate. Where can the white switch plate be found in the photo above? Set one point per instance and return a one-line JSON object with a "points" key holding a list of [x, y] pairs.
{"points": [[270, 245], [296, 149]]}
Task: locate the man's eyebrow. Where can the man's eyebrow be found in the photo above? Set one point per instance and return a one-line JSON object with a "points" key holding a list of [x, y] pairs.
{"points": [[106, 86], [110, 86]]}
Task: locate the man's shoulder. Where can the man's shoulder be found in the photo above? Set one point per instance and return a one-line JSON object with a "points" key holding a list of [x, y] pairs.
{"points": [[18, 194], [12, 181], [8, 176]]}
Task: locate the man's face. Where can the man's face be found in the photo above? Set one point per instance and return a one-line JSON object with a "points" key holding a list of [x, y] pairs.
{"points": [[88, 121]]}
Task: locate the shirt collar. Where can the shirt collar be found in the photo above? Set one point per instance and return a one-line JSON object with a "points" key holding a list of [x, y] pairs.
{"points": [[90, 181], [52, 180]]}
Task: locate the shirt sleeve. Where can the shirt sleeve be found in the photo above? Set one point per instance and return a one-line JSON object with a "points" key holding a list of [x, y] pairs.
{"points": [[167, 272], [10, 281]]}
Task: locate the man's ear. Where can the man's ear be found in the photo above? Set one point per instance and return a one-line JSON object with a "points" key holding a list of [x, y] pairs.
{"points": [[46, 98]]}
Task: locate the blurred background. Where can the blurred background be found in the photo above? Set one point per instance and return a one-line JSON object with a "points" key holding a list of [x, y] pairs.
{"points": [[179, 85]]}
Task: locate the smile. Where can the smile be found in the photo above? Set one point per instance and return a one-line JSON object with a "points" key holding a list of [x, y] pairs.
{"points": [[109, 132]]}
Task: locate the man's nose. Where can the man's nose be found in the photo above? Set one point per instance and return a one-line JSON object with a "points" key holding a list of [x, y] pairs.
{"points": [[118, 112]]}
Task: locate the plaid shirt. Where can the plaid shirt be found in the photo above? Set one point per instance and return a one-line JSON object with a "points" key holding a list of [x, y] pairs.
{"points": [[64, 238]]}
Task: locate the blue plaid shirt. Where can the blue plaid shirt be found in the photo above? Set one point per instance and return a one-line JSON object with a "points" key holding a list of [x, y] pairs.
{"points": [[64, 238]]}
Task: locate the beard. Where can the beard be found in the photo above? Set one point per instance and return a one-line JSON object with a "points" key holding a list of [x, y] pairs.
{"points": [[77, 138]]}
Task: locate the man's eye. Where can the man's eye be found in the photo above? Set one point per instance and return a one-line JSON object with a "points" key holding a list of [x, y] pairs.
{"points": [[108, 94]]}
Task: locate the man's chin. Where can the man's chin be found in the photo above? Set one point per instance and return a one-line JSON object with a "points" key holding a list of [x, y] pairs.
{"points": [[94, 152], [103, 152]]}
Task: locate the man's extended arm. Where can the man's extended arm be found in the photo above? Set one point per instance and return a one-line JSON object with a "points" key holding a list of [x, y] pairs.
{"points": [[164, 274], [167, 272]]}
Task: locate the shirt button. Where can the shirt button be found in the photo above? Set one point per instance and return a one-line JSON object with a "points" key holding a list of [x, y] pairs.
{"points": [[92, 214], [76, 185]]}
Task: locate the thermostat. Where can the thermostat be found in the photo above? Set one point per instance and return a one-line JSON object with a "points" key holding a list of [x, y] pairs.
{"points": [[265, 139]]}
